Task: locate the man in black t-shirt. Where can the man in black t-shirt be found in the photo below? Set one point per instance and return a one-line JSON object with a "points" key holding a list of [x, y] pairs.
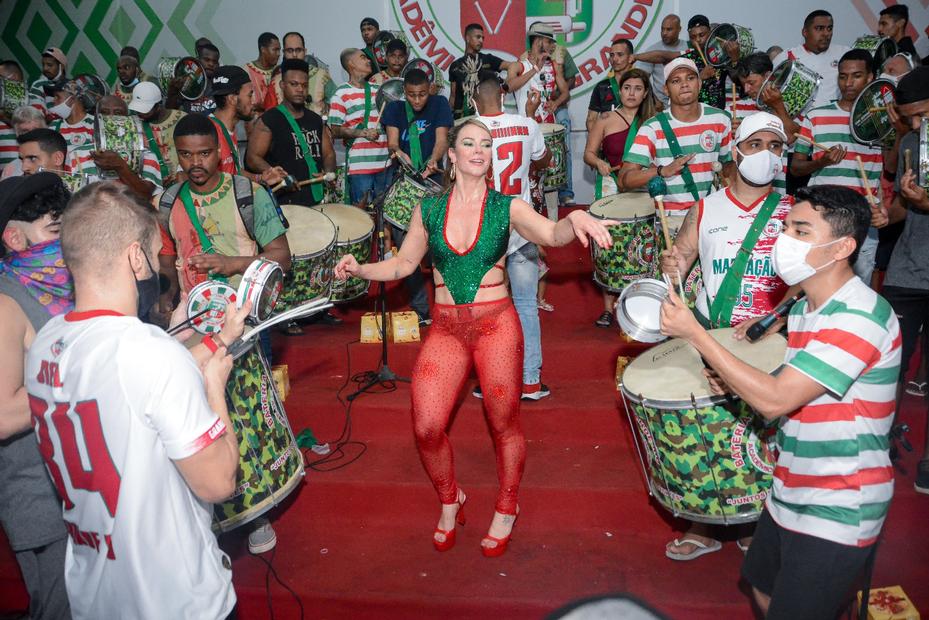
{"points": [[463, 74], [602, 98], [893, 22], [275, 143]]}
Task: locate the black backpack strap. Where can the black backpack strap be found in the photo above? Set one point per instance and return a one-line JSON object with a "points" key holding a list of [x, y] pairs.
{"points": [[166, 202], [245, 201]]}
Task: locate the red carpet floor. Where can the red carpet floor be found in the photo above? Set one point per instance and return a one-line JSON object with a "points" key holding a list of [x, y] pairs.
{"points": [[355, 542]]}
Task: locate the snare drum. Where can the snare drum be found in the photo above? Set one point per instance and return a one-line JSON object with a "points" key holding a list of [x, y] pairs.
{"points": [[171, 67], [798, 85], [638, 310], [881, 48], [632, 256], [405, 194], [354, 229], [122, 134], [261, 284], [870, 122], [311, 238], [723, 33], [214, 296], [705, 457], [556, 174], [270, 462], [13, 94]]}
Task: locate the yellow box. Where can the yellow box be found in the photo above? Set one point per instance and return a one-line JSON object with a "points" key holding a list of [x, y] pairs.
{"points": [[890, 603], [621, 362], [404, 326], [281, 378], [371, 327]]}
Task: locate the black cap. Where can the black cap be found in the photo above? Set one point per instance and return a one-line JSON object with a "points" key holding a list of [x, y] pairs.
{"points": [[698, 20], [370, 21], [913, 87], [228, 79], [14, 191]]}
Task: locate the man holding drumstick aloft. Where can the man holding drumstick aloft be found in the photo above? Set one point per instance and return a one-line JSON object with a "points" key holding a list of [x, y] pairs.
{"points": [[834, 400]]}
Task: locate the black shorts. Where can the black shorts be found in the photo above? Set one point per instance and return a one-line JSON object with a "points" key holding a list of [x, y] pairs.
{"points": [[911, 306], [805, 576]]}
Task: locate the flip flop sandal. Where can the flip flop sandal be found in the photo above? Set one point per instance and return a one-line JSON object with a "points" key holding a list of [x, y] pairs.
{"points": [[544, 305], [701, 549], [742, 548], [916, 388]]}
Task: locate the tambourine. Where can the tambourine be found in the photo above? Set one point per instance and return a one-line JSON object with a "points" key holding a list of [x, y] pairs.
{"points": [[207, 303], [261, 284]]}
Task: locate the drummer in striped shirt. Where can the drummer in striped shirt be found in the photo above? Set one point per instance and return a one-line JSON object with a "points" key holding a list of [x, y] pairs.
{"points": [[828, 125], [72, 120], [703, 134], [834, 401]]}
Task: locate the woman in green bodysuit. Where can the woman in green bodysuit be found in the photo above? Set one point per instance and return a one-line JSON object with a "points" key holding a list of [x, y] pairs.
{"points": [[474, 322]]}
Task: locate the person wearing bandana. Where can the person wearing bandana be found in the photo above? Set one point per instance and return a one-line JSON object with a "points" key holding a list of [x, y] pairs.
{"points": [[35, 286]]}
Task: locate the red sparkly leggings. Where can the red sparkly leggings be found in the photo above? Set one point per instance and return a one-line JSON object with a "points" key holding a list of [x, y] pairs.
{"points": [[489, 335]]}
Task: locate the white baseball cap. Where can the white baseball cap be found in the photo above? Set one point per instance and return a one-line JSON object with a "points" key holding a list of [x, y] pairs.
{"points": [[144, 97], [678, 63], [759, 121]]}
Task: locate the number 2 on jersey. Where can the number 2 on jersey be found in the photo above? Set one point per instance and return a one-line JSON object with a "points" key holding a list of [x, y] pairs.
{"points": [[512, 153], [102, 477]]}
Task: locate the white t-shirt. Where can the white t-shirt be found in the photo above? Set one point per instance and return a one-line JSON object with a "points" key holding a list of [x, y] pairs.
{"points": [[115, 402], [542, 82], [518, 141], [657, 69], [825, 64]]}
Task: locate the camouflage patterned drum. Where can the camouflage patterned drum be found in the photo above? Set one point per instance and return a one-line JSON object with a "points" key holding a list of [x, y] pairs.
{"points": [[354, 229], [270, 462], [405, 194], [311, 238], [922, 162], [13, 94], [716, 53], [881, 48], [188, 67], [122, 134], [334, 191], [555, 136], [705, 458], [798, 85], [632, 256]]}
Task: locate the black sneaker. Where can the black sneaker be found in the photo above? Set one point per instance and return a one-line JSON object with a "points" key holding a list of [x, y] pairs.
{"points": [[477, 393], [921, 484], [535, 392], [605, 320]]}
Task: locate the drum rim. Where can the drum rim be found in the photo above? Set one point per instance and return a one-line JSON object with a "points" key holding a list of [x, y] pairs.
{"points": [[630, 327], [255, 278], [738, 28], [623, 220], [793, 67], [301, 208], [198, 288], [851, 124]]}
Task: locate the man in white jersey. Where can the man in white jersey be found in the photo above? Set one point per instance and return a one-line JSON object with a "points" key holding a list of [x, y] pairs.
{"points": [[132, 426], [818, 53], [737, 288], [518, 145], [834, 400]]}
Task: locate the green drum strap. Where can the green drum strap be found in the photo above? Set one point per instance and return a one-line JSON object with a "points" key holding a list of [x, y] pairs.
{"points": [[316, 188], [155, 149], [676, 151], [205, 242], [416, 149], [730, 290], [229, 141], [615, 88]]}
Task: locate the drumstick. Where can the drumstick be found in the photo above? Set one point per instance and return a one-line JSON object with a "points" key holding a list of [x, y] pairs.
{"points": [[287, 182], [907, 154], [189, 321], [664, 221], [702, 55], [879, 108], [811, 141], [329, 176], [864, 181]]}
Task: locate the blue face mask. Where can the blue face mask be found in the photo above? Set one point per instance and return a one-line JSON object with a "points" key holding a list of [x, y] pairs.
{"points": [[132, 83]]}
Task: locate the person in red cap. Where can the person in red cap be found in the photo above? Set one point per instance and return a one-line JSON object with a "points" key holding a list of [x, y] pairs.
{"points": [[54, 68]]}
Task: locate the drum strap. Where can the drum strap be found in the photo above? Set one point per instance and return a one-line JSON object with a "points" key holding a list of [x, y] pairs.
{"points": [[676, 151], [730, 290], [205, 242], [614, 86], [155, 149], [317, 188], [229, 141], [416, 149], [630, 138]]}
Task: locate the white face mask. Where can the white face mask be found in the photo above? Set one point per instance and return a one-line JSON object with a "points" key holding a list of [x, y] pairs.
{"points": [[760, 168], [789, 258], [62, 110], [887, 76]]}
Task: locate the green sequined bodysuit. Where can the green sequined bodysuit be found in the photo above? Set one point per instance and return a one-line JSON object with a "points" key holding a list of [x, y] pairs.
{"points": [[463, 272]]}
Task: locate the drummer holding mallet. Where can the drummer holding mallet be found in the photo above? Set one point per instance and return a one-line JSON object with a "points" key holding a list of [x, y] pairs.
{"points": [[834, 401]]}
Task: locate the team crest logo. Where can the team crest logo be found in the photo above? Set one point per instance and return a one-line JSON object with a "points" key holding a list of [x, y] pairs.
{"points": [[708, 140], [58, 347], [773, 228]]}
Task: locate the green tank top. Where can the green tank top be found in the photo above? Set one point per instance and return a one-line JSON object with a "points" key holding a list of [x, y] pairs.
{"points": [[463, 272]]}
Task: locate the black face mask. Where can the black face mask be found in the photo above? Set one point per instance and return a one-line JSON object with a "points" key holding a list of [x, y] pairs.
{"points": [[148, 289]]}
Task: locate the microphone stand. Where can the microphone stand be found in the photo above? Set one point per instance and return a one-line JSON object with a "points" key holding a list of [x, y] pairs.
{"points": [[383, 375]]}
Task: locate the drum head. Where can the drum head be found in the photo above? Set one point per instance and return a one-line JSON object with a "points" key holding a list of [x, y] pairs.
{"points": [[351, 222], [870, 122], [549, 129], [311, 232], [212, 296], [668, 374], [626, 206], [194, 85], [639, 308]]}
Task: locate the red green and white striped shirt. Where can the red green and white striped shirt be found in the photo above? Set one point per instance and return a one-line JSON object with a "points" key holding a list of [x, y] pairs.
{"points": [[347, 108], [708, 138], [9, 148], [829, 125], [77, 135], [833, 478]]}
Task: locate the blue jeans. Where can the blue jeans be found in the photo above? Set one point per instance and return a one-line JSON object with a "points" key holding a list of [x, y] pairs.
{"points": [[522, 266], [361, 184], [864, 264], [563, 118]]}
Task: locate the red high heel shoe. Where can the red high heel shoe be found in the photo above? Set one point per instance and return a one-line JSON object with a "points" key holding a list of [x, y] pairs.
{"points": [[449, 541], [501, 543]]}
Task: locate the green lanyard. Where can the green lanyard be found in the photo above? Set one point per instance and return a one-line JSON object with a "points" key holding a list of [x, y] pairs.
{"points": [[316, 188], [155, 149], [730, 289], [205, 244], [676, 152], [630, 138], [229, 141], [364, 123], [615, 88], [416, 149]]}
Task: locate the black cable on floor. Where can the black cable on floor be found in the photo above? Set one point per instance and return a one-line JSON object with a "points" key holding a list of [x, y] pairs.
{"points": [[271, 571]]}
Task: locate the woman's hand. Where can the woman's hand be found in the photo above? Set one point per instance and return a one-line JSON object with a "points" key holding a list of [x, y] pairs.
{"points": [[603, 168], [346, 267], [586, 226]]}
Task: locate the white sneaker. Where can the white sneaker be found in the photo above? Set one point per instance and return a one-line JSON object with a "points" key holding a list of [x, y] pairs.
{"points": [[262, 539]]}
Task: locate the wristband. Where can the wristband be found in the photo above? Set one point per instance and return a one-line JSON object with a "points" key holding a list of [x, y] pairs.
{"points": [[212, 344]]}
